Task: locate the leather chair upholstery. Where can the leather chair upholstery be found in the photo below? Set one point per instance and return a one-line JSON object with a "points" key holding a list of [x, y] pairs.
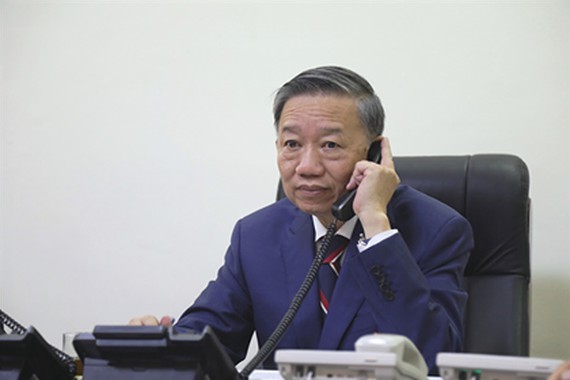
{"points": [[492, 192]]}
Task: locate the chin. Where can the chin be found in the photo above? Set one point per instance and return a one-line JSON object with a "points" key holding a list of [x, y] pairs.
{"points": [[318, 210], [316, 206]]}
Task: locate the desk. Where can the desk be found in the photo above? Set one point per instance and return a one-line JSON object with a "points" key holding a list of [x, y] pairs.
{"points": [[265, 374]]}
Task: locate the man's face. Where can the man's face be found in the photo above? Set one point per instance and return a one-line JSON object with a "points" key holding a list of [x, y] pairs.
{"points": [[319, 140]]}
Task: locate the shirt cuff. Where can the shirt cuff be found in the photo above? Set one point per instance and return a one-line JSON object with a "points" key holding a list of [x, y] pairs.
{"points": [[364, 244]]}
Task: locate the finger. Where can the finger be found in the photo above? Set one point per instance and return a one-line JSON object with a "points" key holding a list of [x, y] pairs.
{"points": [[562, 372], [166, 321], [358, 175], [387, 153], [147, 320], [135, 322]]}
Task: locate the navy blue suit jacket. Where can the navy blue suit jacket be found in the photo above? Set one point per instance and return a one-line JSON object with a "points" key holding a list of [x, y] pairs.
{"points": [[409, 284]]}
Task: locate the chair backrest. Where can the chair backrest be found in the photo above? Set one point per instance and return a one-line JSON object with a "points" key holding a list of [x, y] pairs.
{"points": [[492, 192]]}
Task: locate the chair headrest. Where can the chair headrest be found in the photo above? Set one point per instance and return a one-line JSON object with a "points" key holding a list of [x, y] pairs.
{"points": [[492, 192]]}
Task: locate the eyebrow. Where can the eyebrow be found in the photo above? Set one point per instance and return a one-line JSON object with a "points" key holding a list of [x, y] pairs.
{"points": [[327, 130], [292, 129]]}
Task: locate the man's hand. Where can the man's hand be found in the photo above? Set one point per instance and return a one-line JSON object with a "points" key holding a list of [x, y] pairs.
{"points": [[376, 185], [562, 373], [151, 320]]}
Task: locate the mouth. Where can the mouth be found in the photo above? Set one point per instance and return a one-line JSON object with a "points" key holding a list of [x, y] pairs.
{"points": [[312, 190]]}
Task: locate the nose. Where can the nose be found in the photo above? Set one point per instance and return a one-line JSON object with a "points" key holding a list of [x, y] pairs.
{"points": [[310, 163]]}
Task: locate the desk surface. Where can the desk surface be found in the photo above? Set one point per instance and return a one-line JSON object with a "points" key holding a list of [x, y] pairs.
{"points": [[264, 374]]}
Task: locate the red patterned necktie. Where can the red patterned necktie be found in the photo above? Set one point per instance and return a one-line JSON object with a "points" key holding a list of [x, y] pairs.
{"points": [[330, 269]]}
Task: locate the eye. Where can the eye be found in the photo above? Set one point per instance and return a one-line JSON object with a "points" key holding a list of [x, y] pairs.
{"points": [[330, 145], [291, 144]]}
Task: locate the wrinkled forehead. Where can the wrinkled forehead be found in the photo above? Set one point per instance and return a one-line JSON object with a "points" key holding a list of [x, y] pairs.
{"points": [[323, 110], [321, 116]]}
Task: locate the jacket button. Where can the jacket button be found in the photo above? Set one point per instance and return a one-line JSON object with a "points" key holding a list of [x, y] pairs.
{"points": [[389, 295], [376, 270]]}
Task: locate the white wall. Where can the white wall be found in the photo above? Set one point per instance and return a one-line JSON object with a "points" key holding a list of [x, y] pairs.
{"points": [[134, 134]]}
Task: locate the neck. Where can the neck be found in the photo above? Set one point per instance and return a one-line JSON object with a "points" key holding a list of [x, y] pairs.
{"points": [[328, 220]]}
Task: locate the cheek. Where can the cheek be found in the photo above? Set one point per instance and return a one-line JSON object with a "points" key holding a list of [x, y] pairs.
{"points": [[286, 167], [341, 173]]}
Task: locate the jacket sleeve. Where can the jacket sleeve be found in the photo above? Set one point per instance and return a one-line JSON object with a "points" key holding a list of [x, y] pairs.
{"points": [[225, 306], [414, 285]]}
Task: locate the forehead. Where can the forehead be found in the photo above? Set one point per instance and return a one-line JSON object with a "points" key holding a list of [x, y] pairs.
{"points": [[330, 111]]}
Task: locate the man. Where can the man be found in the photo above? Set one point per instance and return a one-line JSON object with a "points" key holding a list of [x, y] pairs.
{"points": [[401, 271]]}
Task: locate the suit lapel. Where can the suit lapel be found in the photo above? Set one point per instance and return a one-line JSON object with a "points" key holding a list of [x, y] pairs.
{"points": [[298, 254], [347, 299]]}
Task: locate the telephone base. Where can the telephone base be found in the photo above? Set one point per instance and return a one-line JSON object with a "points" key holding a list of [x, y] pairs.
{"points": [[337, 365], [11, 374], [29, 356], [462, 366], [97, 369]]}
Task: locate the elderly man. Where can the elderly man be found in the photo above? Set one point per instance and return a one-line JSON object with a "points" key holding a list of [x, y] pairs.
{"points": [[400, 270]]}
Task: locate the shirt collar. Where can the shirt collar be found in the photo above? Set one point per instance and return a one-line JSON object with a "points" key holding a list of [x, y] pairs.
{"points": [[345, 230]]}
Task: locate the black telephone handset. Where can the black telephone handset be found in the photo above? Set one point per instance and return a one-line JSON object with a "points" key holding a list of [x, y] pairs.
{"points": [[342, 208]]}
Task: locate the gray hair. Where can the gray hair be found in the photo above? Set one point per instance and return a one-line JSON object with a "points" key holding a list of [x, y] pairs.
{"points": [[333, 80]]}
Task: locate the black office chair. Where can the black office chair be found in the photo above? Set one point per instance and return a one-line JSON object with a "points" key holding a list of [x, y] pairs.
{"points": [[492, 192]]}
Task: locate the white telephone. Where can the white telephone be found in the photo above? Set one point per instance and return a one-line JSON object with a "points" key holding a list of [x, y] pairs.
{"points": [[456, 366], [376, 356]]}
